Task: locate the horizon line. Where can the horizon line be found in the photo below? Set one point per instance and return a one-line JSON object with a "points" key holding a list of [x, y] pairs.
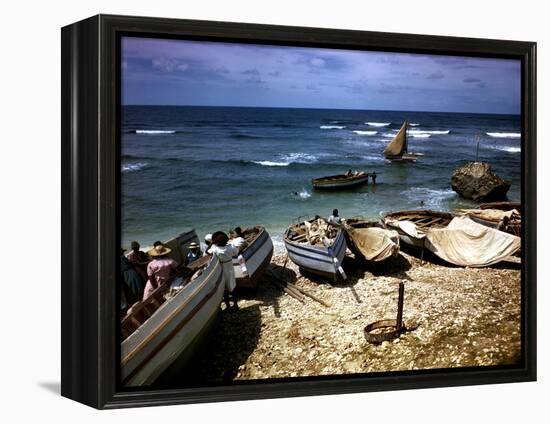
{"points": [[322, 108]]}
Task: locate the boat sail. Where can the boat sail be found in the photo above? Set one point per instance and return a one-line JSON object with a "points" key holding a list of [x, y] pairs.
{"points": [[396, 150]]}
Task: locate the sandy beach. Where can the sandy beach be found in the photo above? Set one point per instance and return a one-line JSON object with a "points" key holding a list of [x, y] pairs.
{"points": [[463, 317]]}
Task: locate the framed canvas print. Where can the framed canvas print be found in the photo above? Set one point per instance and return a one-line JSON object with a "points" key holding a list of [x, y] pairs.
{"points": [[255, 211]]}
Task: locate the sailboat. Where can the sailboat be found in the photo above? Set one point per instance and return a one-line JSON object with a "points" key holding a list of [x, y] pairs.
{"points": [[396, 150]]}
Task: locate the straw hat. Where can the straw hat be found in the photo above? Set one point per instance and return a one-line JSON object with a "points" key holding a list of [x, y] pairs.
{"points": [[159, 250], [192, 245]]}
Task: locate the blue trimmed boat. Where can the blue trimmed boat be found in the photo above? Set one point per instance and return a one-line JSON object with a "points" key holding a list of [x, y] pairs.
{"points": [[323, 258], [254, 259]]}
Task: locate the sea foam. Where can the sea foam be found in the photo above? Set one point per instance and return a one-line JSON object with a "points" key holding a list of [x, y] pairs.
{"points": [[429, 132], [332, 127], [132, 167], [432, 198], [155, 132], [288, 159], [378, 124], [503, 135], [360, 132]]}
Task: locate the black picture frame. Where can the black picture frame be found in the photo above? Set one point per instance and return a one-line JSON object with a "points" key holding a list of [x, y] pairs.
{"points": [[91, 214]]}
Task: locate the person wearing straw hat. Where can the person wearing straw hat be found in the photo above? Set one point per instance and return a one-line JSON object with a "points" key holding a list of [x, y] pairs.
{"points": [[225, 252], [159, 269], [194, 253]]}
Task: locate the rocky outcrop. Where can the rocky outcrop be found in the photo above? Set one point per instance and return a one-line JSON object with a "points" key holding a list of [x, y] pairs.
{"points": [[476, 181]]}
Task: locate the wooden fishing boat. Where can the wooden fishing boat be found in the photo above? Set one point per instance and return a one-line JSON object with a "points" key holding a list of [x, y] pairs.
{"points": [[340, 182], [413, 225], [503, 206], [322, 256], [369, 240], [169, 326], [396, 150], [503, 219], [254, 259]]}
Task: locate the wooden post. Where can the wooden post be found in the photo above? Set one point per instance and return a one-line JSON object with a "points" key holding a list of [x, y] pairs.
{"points": [[399, 321]]}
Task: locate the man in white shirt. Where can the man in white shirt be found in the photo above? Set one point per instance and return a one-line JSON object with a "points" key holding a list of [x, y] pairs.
{"points": [[334, 219]]}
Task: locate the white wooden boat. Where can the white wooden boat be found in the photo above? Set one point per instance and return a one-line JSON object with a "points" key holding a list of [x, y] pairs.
{"points": [[175, 329], [254, 259], [322, 259]]}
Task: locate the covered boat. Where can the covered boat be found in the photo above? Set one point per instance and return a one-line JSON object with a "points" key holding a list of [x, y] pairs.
{"points": [[254, 259], [397, 149], [467, 243], [413, 225], [162, 332], [341, 181], [457, 240], [317, 247], [369, 239], [507, 220]]}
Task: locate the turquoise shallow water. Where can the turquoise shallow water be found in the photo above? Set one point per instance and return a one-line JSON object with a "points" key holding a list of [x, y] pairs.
{"points": [[213, 168]]}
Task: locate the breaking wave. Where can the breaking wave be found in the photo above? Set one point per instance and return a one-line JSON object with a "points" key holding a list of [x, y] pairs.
{"points": [[504, 135], [360, 132], [270, 163], [506, 149], [155, 131], [332, 127], [378, 124], [432, 198], [429, 132], [132, 167], [288, 159]]}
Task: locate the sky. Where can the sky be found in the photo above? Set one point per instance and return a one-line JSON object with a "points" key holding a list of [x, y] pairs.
{"points": [[200, 73]]}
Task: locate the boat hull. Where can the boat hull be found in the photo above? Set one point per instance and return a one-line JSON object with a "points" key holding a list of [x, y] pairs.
{"points": [[340, 184], [316, 259], [174, 330], [257, 257]]}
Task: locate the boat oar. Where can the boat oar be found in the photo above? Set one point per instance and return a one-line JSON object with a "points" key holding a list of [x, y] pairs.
{"points": [[321, 301], [300, 291], [289, 291]]}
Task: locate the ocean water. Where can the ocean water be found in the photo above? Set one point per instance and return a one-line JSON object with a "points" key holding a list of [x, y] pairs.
{"points": [[214, 168]]}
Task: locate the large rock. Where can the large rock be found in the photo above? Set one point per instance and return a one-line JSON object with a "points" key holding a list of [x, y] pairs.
{"points": [[476, 181]]}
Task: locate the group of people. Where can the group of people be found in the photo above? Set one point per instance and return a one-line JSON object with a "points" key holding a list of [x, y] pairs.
{"points": [[142, 273], [350, 173]]}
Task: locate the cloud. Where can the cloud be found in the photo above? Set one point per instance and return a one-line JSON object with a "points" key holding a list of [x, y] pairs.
{"points": [[251, 72], [471, 80], [274, 74], [317, 62], [436, 75], [222, 70], [164, 64], [255, 80]]}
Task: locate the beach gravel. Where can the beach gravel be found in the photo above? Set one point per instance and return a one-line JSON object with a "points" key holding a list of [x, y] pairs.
{"points": [[459, 317]]}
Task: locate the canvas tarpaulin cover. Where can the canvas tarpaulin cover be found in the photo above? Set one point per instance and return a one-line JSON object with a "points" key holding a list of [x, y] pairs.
{"points": [[495, 215], [375, 244], [467, 243], [408, 227]]}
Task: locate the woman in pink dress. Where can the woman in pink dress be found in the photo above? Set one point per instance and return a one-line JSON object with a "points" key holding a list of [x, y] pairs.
{"points": [[159, 270]]}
